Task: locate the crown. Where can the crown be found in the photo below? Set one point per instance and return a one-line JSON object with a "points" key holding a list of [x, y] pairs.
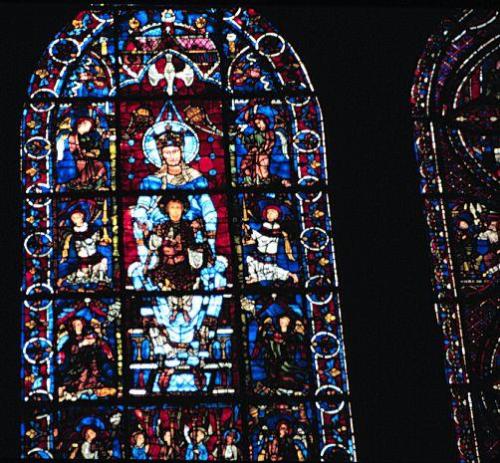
{"points": [[169, 138]]}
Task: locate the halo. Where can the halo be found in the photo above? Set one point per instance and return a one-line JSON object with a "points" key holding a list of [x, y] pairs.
{"points": [[189, 149], [235, 432], [92, 421]]}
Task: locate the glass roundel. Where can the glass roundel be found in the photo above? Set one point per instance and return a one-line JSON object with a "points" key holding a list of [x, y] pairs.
{"points": [[180, 295]]}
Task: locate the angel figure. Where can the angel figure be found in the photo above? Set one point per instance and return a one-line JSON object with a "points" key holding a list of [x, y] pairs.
{"points": [[85, 250], [140, 120], [263, 265], [80, 150], [259, 139]]}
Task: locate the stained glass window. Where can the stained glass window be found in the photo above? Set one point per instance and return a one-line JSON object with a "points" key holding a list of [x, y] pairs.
{"points": [[180, 295], [456, 111]]}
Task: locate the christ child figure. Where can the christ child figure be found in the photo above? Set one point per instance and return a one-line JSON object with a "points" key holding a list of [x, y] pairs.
{"points": [[178, 255]]}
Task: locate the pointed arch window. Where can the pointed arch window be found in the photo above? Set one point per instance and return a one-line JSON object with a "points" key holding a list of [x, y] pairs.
{"points": [[455, 106], [180, 295]]}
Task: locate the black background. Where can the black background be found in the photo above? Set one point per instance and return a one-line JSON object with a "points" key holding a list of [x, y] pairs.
{"points": [[361, 62]]}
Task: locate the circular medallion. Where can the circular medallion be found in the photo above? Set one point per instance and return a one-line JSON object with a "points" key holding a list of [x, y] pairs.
{"points": [[38, 244], [40, 454], [335, 453], [38, 189], [325, 345], [314, 238], [318, 288], [330, 399], [40, 290], [270, 45], [37, 148], [43, 100], [308, 181], [306, 141], [297, 100], [64, 50], [37, 350]]}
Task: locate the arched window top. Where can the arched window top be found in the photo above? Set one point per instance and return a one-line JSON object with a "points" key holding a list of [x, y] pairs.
{"points": [[456, 82], [180, 294], [455, 105], [256, 58], [451, 61]]}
